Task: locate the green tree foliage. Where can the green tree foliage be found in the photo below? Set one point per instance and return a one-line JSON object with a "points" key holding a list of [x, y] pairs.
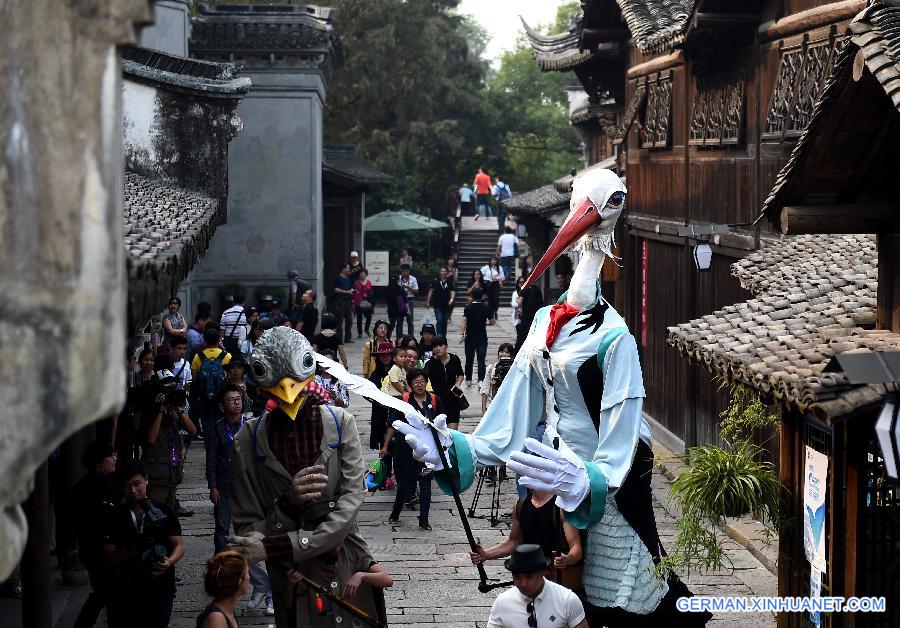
{"points": [[539, 144], [417, 98]]}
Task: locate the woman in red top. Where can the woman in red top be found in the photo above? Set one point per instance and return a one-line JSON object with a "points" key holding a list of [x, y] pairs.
{"points": [[363, 302]]}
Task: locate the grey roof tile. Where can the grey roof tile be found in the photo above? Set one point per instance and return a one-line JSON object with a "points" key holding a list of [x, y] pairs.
{"points": [[542, 200], [167, 229], [780, 342], [342, 163]]}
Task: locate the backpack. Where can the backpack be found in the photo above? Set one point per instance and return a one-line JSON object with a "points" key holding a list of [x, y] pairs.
{"points": [[210, 377], [431, 397], [504, 191]]}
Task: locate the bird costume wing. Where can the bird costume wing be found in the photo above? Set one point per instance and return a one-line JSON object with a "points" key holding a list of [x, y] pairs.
{"points": [[363, 387]]}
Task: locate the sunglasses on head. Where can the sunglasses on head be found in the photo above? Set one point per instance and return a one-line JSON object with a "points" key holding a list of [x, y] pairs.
{"points": [[532, 619]]}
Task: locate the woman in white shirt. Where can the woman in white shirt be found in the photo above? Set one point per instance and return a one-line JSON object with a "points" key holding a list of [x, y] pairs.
{"points": [[493, 281]]}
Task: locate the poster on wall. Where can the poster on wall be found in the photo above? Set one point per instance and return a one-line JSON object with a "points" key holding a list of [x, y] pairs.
{"points": [[378, 265], [815, 488], [815, 590]]}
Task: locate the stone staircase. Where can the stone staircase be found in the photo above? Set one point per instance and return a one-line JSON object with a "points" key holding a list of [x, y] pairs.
{"points": [[477, 242]]}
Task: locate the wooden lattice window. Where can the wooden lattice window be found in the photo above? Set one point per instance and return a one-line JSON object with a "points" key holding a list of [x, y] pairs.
{"points": [[801, 76], [631, 112], [718, 116], [658, 114]]}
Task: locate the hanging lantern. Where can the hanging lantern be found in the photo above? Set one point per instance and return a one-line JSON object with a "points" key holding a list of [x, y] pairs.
{"points": [[703, 256]]}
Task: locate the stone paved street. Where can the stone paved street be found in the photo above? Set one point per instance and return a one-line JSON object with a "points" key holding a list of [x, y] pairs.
{"points": [[434, 582]]}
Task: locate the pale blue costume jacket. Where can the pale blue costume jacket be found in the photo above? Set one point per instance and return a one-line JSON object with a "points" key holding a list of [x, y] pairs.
{"points": [[589, 390]]}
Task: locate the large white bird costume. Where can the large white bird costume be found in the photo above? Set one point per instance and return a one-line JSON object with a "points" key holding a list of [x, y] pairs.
{"points": [[578, 372]]}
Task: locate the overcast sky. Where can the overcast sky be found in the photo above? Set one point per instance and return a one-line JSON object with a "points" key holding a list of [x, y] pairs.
{"points": [[501, 19]]}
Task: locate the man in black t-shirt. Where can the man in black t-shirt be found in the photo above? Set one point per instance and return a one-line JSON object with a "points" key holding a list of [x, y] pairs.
{"points": [[143, 542], [308, 318], [532, 299], [441, 297], [426, 341], [477, 317]]}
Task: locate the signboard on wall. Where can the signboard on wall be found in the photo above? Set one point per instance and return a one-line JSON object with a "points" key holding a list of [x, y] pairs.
{"points": [[815, 488], [378, 263]]}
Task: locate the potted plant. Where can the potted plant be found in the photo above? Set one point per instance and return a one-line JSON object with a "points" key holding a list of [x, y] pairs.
{"points": [[722, 482]]}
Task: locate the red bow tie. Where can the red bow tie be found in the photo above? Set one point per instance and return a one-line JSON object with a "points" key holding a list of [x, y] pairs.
{"points": [[560, 314]]}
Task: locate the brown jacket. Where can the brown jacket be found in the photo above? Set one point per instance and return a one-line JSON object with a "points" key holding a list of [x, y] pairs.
{"points": [[258, 480]]}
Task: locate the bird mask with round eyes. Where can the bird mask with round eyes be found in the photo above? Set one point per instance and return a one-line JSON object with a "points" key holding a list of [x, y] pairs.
{"points": [[283, 364], [598, 197]]}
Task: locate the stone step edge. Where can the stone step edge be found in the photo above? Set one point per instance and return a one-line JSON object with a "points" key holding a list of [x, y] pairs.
{"points": [[745, 531]]}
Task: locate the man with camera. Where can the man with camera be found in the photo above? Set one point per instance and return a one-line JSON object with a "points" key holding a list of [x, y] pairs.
{"points": [[161, 431], [143, 543]]}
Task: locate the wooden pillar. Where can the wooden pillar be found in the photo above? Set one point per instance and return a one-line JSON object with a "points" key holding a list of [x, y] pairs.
{"points": [[36, 604]]}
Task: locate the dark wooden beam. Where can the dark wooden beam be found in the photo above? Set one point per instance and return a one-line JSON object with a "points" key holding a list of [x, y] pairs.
{"points": [[856, 218], [725, 19], [603, 34]]}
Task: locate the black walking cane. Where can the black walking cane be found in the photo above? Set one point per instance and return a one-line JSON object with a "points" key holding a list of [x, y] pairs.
{"points": [[483, 585]]}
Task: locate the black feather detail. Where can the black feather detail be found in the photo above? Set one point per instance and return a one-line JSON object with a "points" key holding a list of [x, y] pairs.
{"points": [[590, 381], [593, 316]]}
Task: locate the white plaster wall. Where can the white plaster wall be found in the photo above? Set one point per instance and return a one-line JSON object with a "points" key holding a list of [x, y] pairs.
{"points": [[139, 126], [578, 99], [170, 29]]}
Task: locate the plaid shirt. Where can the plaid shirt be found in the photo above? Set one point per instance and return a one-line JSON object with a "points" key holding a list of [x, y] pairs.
{"points": [[297, 444]]}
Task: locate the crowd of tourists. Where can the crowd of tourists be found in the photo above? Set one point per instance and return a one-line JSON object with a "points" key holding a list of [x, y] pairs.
{"points": [[191, 393]]}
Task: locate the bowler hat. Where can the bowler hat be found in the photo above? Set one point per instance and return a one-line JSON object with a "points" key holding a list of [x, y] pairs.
{"points": [[384, 348], [527, 558]]}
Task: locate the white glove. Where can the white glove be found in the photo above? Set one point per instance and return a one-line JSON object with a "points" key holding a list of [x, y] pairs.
{"points": [[251, 546], [419, 437], [559, 472]]}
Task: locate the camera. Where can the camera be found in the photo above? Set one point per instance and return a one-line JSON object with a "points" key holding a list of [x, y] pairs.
{"points": [[163, 391], [500, 371]]}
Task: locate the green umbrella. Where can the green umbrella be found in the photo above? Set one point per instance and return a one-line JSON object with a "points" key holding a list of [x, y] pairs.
{"points": [[401, 220]]}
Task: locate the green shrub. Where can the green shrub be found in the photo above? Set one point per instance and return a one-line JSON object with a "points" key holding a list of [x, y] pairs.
{"points": [[723, 482]]}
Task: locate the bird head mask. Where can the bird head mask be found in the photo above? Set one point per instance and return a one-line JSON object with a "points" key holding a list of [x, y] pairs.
{"points": [[598, 197], [283, 364]]}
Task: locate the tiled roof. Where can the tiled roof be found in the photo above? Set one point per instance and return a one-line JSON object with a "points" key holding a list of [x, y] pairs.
{"points": [[657, 25], [167, 230], [564, 184], [343, 165], [876, 30], [815, 296], [231, 27], [206, 77], [556, 52], [541, 200]]}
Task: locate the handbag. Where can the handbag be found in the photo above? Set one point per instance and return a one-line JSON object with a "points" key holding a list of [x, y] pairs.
{"points": [[365, 305], [461, 399], [402, 308]]}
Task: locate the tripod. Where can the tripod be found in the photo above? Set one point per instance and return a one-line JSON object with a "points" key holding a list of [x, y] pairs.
{"points": [[496, 475]]}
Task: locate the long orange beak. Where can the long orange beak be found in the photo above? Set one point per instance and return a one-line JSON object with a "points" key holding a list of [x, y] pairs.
{"points": [[583, 219], [289, 394]]}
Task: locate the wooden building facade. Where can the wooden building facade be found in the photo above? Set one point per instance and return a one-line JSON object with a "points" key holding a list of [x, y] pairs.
{"points": [[700, 103], [820, 294]]}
